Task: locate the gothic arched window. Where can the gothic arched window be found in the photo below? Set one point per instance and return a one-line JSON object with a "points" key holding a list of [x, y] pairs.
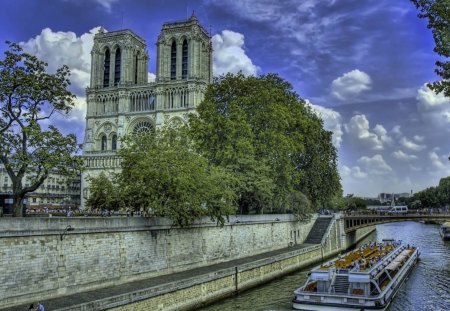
{"points": [[143, 127], [104, 144], [106, 68], [173, 61], [184, 61], [135, 69], [114, 142], [117, 67]]}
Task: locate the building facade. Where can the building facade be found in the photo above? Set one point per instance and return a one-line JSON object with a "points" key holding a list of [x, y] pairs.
{"points": [[56, 192], [121, 100]]}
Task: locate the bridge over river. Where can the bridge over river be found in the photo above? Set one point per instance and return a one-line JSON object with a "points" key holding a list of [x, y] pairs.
{"points": [[356, 221]]}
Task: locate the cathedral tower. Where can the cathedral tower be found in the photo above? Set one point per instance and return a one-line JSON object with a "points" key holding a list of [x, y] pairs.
{"points": [[120, 100]]}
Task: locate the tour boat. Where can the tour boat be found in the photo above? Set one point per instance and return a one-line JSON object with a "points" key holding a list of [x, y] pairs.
{"points": [[444, 230], [364, 279]]}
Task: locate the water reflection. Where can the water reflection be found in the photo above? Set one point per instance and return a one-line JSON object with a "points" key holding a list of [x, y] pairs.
{"points": [[427, 288]]}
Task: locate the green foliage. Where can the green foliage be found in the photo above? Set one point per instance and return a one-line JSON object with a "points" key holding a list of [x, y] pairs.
{"points": [[349, 203], [29, 96], [258, 129], [163, 175], [437, 12], [432, 197], [103, 194]]}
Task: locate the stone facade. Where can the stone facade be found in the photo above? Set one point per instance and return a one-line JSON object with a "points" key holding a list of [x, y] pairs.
{"points": [[121, 100]]}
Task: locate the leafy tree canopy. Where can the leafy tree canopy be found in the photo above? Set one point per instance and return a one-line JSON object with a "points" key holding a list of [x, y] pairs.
{"points": [[28, 97], [163, 175], [261, 131], [437, 12]]}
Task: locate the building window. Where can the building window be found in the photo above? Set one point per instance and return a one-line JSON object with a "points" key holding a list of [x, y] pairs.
{"points": [[114, 142], [173, 61], [143, 127], [184, 63], [104, 143], [106, 69], [135, 69], [117, 67]]}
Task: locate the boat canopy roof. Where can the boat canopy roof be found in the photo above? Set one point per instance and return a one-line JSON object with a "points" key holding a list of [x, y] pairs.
{"points": [[446, 224]]}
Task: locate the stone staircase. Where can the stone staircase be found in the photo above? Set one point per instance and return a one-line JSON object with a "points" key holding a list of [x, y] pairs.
{"points": [[318, 230], [341, 284]]}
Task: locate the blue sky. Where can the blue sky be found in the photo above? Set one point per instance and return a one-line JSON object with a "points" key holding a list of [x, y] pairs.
{"points": [[361, 64]]}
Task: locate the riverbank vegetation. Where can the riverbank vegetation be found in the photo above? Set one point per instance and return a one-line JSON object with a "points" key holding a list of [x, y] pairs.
{"points": [[253, 146]]}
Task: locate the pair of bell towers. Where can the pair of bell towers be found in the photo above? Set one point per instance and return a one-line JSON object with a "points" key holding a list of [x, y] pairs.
{"points": [[120, 98]]}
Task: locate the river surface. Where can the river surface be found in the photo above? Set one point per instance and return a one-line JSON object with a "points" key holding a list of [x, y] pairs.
{"points": [[427, 288]]}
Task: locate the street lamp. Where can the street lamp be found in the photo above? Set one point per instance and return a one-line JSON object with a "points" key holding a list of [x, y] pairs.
{"points": [[68, 228]]}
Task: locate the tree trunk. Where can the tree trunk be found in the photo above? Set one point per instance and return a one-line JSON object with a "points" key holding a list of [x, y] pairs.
{"points": [[18, 206]]}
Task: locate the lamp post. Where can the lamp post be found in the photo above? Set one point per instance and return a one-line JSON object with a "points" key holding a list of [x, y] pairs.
{"points": [[68, 228]]}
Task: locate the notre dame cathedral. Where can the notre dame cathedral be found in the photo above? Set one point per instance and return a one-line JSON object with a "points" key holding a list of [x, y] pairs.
{"points": [[121, 100]]}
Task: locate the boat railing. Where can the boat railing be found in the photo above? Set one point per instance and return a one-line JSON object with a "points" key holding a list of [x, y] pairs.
{"points": [[392, 284]]}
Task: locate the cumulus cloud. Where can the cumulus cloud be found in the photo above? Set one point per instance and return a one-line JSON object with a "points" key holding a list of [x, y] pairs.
{"points": [[433, 108], [358, 128], [331, 120], [65, 48], [410, 145], [353, 172], [229, 54], [106, 4], [400, 155], [375, 165], [436, 161], [351, 84]]}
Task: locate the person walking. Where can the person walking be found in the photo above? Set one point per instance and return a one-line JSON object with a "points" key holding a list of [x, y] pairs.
{"points": [[31, 308], [40, 307]]}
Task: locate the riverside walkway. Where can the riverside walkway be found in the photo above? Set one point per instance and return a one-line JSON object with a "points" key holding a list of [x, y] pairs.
{"points": [[125, 293]]}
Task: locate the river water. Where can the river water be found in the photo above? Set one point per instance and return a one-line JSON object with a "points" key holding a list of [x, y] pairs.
{"points": [[427, 288]]}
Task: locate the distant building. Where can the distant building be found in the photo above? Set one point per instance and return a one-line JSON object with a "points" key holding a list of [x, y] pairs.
{"points": [[387, 197], [56, 191]]}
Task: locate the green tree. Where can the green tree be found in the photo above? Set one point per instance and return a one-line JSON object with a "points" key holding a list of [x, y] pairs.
{"points": [[163, 175], [269, 139], [103, 194], [443, 190], [28, 97], [437, 12]]}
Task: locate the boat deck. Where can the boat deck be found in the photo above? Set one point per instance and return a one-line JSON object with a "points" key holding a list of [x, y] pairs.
{"points": [[364, 257]]}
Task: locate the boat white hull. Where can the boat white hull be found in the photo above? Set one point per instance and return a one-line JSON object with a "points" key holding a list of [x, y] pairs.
{"points": [[308, 307], [322, 302]]}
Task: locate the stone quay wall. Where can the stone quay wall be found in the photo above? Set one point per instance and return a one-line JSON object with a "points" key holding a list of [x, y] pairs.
{"points": [[205, 289], [42, 258]]}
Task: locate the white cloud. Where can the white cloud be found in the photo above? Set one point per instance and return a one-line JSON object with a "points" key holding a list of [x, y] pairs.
{"points": [[106, 4], [65, 48], [410, 145], [400, 155], [351, 84], [229, 54], [435, 161], [353, 172], [375, 165], [358, 128], [151, 77], [433, 108], [331, 120], [418, 138], [397, 131]]}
